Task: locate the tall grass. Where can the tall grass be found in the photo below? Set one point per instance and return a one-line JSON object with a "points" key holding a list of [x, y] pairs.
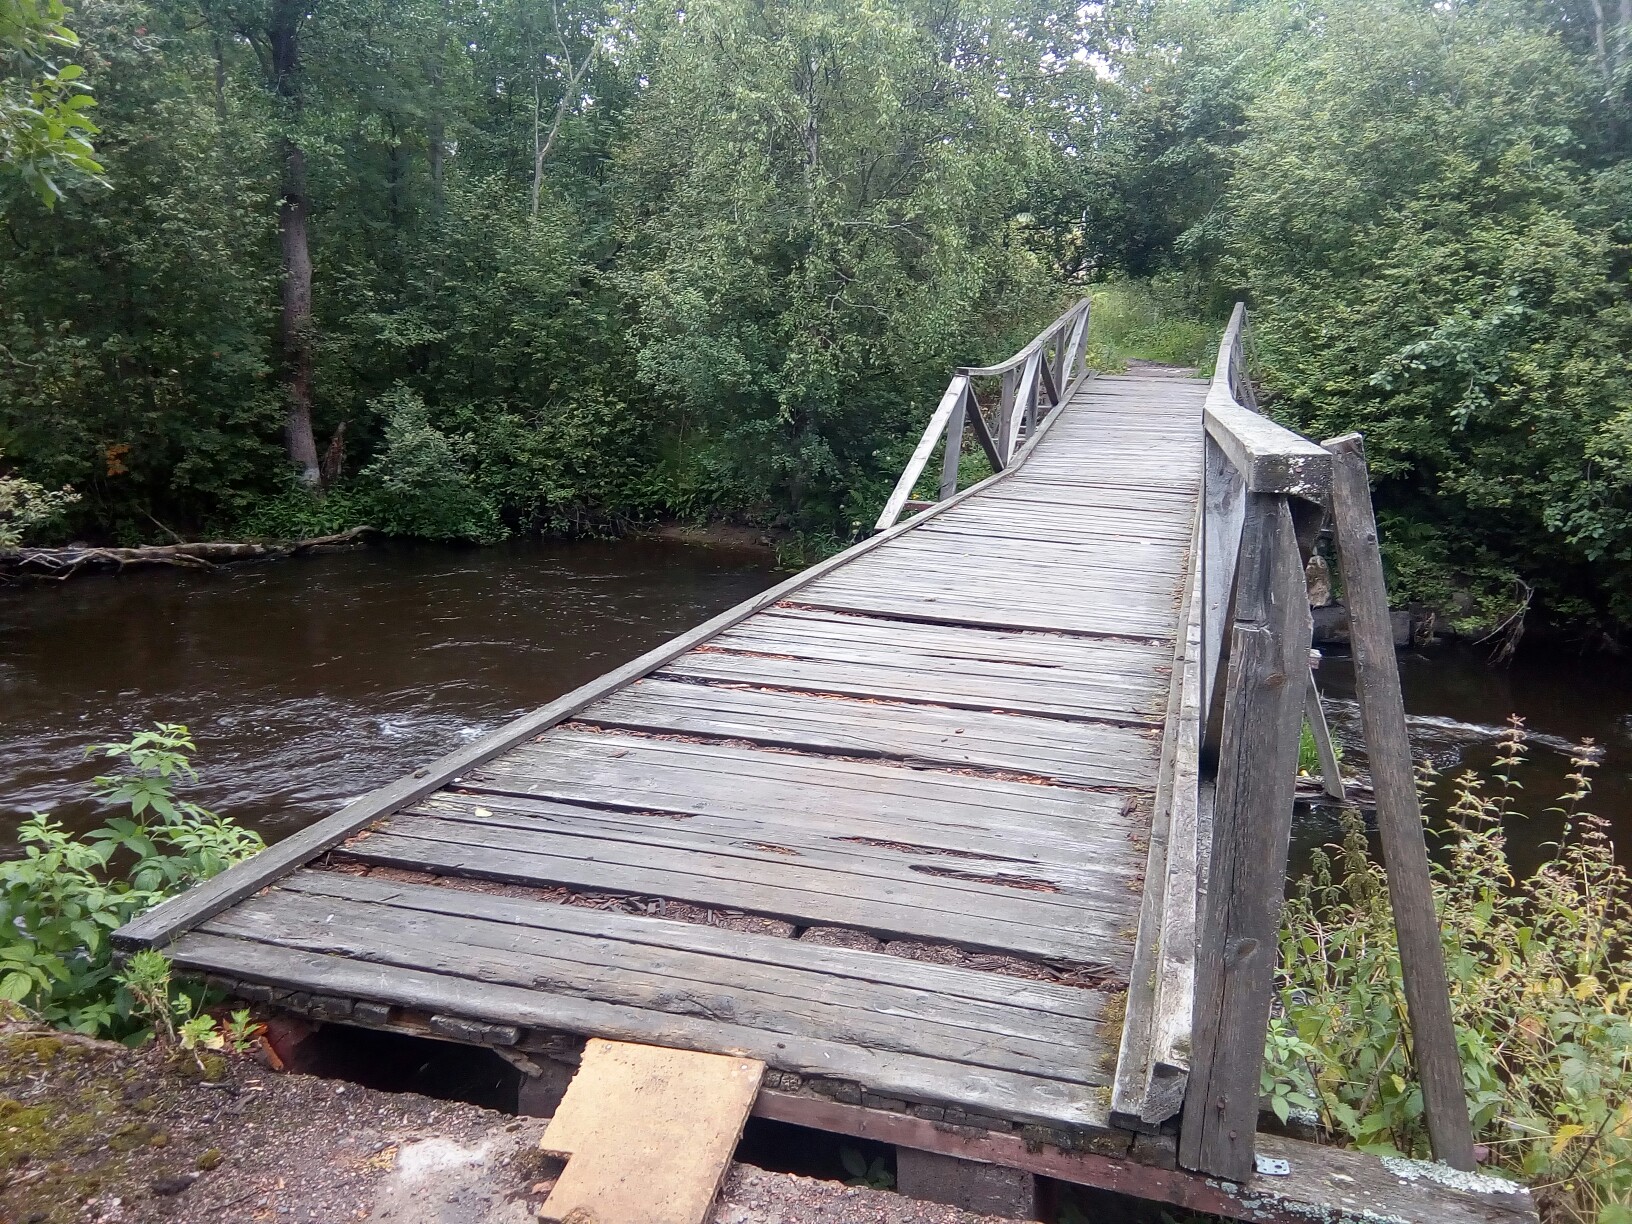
{"points": [[1539, 991], [1147, 321]]}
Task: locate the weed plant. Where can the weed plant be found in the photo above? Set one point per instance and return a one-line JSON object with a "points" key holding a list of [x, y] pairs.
{"points": [[67, 892], [1539, 992]]}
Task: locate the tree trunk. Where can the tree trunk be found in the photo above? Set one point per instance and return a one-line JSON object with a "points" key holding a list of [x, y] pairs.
{"points": [[435, 133], [295, 321]]}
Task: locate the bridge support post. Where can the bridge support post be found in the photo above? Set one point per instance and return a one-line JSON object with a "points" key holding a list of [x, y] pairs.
{"points": [[1257, 771]]}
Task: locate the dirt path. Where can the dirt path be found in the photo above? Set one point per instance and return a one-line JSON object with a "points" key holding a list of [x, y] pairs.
{"points": [[92, 1132]]}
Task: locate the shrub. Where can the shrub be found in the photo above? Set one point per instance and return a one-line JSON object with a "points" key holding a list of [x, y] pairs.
{"points": [[419, 483], [25, 505], [59, 901], [1538, 991]]}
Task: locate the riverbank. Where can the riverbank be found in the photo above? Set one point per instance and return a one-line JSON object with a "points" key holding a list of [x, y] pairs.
{"points": [[94, 1133]]}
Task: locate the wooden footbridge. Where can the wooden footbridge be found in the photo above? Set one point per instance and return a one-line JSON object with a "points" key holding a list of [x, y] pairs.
{"points": [[973, 834]]}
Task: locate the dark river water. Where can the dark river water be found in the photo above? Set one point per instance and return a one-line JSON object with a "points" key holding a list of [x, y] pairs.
{"points": [[311, 681]]}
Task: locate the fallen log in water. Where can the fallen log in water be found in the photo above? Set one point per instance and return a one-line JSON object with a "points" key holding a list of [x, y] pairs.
{"points": [[62, 563]]}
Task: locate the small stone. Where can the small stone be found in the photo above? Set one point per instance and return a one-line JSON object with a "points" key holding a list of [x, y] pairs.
{"points": [[167, 1186]]}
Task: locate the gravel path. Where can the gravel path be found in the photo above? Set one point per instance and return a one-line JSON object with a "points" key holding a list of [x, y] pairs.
{"points": [[92, 1133]]}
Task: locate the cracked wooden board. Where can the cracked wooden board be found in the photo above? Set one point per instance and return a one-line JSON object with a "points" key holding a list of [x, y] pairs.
{"points": [[647, 1133]]}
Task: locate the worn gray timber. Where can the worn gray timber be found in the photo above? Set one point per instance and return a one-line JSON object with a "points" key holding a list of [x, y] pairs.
{"points": [[938, 754]]}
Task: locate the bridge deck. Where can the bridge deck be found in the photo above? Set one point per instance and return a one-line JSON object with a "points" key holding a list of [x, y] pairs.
{"points": [[891, 830]]}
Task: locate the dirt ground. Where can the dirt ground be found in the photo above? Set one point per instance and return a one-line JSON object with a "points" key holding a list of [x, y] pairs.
{"points": [[93, 1132]]}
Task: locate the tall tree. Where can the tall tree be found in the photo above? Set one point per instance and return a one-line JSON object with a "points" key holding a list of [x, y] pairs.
{"points": [[282, 39]]}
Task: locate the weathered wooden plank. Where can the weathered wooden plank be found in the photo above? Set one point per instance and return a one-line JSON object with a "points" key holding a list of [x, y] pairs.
{"points": [[1041, 648], [953, 450], [938, 421], [1314, 712], [1176, 963], [1322, 1183], [983, 434], [1125, 558], [616, 770], [854, 846], [971, 684], [659, 979], [1035, 580], [895, 909], [1251, 831], [1006, 1094], [1225, 510], [1036, 1004], [1048, 610], [1153, 1061], [783, 839], [1081, 753], [1399, 815], [618, 1127]]}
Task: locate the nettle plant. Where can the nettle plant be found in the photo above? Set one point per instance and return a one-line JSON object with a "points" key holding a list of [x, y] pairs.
{"points": [[1539, 992], [68, 891]]}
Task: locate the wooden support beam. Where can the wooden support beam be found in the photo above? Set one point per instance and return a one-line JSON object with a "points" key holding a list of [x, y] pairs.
{"points": [[938, 421], [983, 435], [1049, 383], [1252, 825], [1399, 814], [1023, 413], [1324, 1184]]}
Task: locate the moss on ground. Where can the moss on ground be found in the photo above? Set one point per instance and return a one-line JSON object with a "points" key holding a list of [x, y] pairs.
{"points": [[80, 1118]]}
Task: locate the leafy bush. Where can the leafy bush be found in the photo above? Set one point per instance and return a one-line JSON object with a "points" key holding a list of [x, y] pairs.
{"points": [[419, 483], [61, 899], [25, 505], [1539, 993]]}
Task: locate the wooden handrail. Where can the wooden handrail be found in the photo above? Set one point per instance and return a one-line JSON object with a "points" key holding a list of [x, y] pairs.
{"points": [[1037, 343], [1270, 457], [1031, 389]]}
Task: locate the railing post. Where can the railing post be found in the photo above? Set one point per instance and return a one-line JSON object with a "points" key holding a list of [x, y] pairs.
{"points": [[954, 445], [1005, 411], [1434, 1048], [1252, 823]]}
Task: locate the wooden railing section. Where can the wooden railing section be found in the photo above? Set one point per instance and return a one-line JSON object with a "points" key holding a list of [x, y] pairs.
{"points": [[1198, 1002], [1263, 502], [1029, 386], [1204, 961]]}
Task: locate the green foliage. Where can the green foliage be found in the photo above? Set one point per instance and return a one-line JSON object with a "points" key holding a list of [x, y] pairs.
{"points": [[59, 901], [176, 1017], [420, 481], [25, 506], [823, 201], [761, 237], [1429, 210], [1539, 996], [45, 133], [875, 1175], [1309, 753], [1148, 321]]}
